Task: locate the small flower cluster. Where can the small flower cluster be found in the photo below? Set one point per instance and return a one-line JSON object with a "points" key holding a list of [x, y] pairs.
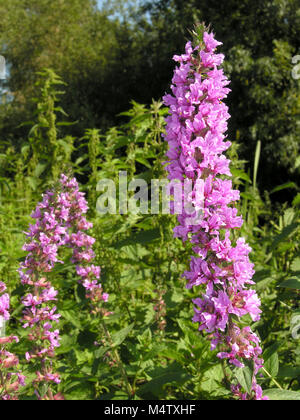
{"points": [[195, 134], [10, 382], [108, 357], [160, 310], [60, 222]]}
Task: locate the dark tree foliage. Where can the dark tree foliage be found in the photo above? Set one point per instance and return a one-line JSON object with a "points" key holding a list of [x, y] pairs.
{"points": [[110, 56], [259, 40]]}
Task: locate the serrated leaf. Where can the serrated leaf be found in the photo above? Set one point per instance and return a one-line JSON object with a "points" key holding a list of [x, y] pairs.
{"points": [[212, 380], [272, 365], [244, 376], [149, 316], [120, 336]]}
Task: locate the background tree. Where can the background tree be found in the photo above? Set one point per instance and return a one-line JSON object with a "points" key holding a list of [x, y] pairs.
{"points": [[259, 39], [71, 36], [123, 51]]}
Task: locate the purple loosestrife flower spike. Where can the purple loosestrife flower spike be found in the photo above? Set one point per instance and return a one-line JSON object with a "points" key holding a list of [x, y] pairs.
{"points": [[195, 132], [10, 379], [60, 222], [82, 244]]}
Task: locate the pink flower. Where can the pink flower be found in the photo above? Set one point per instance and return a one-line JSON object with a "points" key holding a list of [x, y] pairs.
{"points": [[2, 287], [4, 306], [10, 381], [10, 360], [210, 42]]}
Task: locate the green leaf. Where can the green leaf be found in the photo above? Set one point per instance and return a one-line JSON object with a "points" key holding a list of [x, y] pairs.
{"points": [[122, 141], [72, 317], [143, 162], [66, 123], [256, 162], [295, 266], [100, 352], [67, 344], [149, 315], [285, 246], [296, 200], [80, 391], [271, 350], [135, 252], [120, 336], [284, 187], [171, 375], [238, 173], [288, 216], [25, 149], [140, 119], [285, 233], [66, 146], [288, 372], [293, 283], [271, 361], [141, 238], [272, 365], [244, 376], [39, 169], [282, 394], [212, 381], [32, 182]]}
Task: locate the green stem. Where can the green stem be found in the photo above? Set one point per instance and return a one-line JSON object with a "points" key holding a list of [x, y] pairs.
{"points": [[119, 361], [1, 379], [226, 376], [274, 380]]}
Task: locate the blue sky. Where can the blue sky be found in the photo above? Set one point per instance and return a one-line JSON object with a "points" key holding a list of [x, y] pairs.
{"points": [[123, 4]]}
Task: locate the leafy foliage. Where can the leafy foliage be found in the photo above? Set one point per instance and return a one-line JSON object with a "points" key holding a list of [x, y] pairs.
{"points": [[139, 351]]}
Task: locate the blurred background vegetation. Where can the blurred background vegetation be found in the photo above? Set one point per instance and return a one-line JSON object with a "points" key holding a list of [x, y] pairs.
{"points": [[109, 53]]}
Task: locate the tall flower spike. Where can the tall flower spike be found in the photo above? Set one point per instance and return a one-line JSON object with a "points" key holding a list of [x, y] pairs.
{"points": [[10, 379], [195, 134], [60, 222], [82, 244]]}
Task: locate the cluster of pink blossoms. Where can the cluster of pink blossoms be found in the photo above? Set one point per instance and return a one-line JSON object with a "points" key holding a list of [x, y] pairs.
{"points": [[60, 222], [195, 134], [10, 382]]}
